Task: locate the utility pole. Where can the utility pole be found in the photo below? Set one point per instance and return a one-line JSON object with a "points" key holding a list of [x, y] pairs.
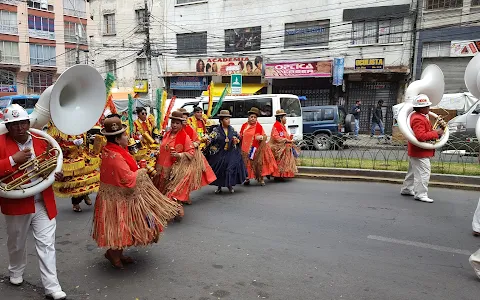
{"points": [[148, 51]]}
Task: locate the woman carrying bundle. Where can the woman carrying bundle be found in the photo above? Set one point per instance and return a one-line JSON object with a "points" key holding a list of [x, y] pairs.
{"points": [[256, 153], [224, 155], [284, 151], [129, 210]]}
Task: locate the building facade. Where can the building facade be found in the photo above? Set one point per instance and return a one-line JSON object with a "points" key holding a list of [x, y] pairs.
{"points": [[448, 36], [38, 40], [118, 43], [325, 51]]}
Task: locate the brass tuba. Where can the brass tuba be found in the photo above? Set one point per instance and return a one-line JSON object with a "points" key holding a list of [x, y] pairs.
{"points": [[431, 84], [472, 81], [74, 103]]}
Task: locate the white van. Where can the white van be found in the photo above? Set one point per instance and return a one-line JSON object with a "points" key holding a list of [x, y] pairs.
{"points": [[268, 104]]}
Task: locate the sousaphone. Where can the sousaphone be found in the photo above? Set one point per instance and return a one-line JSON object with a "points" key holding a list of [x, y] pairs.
{"points": [[472, 81]]}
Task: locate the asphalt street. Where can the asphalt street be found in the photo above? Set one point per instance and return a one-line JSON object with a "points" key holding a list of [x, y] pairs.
{"points": [[302, 239]]}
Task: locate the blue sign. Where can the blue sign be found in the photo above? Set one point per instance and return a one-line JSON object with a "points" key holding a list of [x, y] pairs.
{"points": [[338, 67], [192, 83]]}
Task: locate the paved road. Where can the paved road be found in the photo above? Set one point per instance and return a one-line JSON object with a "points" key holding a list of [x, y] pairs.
{"points": [[296, 240]]}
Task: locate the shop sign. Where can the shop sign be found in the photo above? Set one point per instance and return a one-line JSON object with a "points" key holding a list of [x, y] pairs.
{"points": [[369, 64], [338, 68], [226, 66], [236, 84], [8, 89], [191, 83], [299, 69], [464, 48], [141, 86]]}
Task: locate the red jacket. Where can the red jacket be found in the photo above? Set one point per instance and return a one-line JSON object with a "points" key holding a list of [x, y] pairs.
{"points": [[422, 129], [13, 207]]}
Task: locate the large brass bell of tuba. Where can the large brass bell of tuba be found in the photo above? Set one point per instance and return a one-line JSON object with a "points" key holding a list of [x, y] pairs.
{"points": [[74, 103], [431, 84]]}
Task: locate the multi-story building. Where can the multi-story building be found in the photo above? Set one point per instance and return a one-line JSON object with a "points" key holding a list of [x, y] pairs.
{"points": [[448, 36], [290, 47], [118, 43], [38, 40]]}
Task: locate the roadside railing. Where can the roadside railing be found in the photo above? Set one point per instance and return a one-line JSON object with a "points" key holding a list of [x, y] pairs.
{"points": [[459, 156]]}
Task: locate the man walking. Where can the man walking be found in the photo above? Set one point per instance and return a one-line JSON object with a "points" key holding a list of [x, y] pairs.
{"points": [[377, 119], [356, 113], [37, 213]]}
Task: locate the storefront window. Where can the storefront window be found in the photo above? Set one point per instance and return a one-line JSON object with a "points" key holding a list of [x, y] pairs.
{"points": [[291, 106]]}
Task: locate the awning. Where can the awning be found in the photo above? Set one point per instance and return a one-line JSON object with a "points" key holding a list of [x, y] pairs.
{"points": [[123, 95], [247, 89]]}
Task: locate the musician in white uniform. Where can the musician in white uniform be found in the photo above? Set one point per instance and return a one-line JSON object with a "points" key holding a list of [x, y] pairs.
{"points": [[37, 212]]}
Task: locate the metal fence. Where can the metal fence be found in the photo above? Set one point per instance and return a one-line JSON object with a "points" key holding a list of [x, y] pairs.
{"points": [[459, 156]]}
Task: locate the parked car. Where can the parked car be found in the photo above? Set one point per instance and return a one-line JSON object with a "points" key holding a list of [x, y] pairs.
{"points": [[324, 126], [462, 131]]}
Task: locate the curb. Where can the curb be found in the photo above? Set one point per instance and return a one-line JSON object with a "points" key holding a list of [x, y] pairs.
{"points": [[393, 177]]}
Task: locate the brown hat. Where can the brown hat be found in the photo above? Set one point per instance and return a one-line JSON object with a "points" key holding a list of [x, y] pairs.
{"points": [[254, 111], [224, 113], [113, 126], [183, 111], [280, 112], [177, 115]]}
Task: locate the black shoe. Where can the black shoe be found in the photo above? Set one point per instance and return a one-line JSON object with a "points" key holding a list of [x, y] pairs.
{"points": [[218, 191]]}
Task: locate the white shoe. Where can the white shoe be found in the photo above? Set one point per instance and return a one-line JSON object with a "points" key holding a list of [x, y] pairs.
{"points": [[475, 265], [424, 199], [407, 193], [57, 296], [16, 280]]}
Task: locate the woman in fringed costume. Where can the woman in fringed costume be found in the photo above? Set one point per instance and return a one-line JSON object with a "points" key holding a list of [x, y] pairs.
{"points": [[224, 155], [129, 210], [80, 168], [284, 151], [256, 152], [177, 171], [207, 174]]}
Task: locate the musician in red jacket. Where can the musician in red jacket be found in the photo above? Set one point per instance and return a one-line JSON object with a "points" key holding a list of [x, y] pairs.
{"points": [[418, 175], [37, 212]]}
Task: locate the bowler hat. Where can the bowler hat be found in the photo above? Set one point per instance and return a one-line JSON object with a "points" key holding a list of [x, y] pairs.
{"points": [[113, 126], [254, 111]]}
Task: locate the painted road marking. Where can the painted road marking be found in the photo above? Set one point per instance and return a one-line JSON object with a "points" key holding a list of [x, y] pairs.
{"points": [[420, 245]]}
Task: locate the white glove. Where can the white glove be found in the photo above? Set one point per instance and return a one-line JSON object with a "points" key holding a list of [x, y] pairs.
{"points": [[78, 142]]}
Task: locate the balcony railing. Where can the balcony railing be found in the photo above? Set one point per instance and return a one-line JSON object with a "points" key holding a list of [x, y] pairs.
{"points": [[41, 34], [8, 28], [75, 13], [11, 2], [73, 39]]}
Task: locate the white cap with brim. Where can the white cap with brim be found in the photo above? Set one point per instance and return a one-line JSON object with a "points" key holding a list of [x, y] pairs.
{"points": [[421, 100], [14, 113]]}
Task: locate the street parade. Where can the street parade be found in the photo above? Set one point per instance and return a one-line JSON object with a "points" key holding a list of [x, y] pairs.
{"points": [[234, 181]]}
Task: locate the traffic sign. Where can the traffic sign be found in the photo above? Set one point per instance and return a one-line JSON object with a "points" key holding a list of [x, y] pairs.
{"points": [[236, 84]]}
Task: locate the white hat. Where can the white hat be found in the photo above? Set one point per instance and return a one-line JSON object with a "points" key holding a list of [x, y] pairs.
{"points": [[421, 100], [14, 113]]}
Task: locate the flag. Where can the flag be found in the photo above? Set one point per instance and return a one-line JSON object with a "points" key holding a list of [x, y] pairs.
{"points": [[158, 104], [251, 154], [162, 109], [210, 99], [169, 111], [220, 101], [131, 102]]}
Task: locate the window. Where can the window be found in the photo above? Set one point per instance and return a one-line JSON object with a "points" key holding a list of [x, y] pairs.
{"points": [[141, 19], [141, 68], [303, 34], [8, 22], [111, 66], [436, 49], [312, 116], [475, 3], [41, 27], [8, 79], [291, 106], [42, 55], [441, 4], [377, 31], [75, 8], [109, 24], [189, 1], [328, 114], [9, 52], [243, 39], [39, 81], [71, 32], [241, 108], [71, 57], [192, 43], [40, 4], [228, 105]]}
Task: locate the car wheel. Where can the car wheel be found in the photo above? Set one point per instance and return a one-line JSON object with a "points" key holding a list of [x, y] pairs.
{"points": [[322, 141]]}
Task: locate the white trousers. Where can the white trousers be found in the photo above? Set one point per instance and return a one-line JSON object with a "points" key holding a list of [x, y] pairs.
{"points": [[475, 262], [476, 219], [44, 233], [417, 177]]}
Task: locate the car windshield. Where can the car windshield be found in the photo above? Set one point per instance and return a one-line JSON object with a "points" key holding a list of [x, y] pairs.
{"points": [[291, 106], [4, 102]]}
